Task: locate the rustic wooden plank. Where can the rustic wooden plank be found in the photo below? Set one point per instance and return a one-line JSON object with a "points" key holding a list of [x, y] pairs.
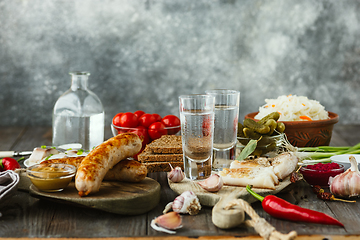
{"points": [[301, 237], [35, 137], [350, 133], [337, 139], [9, 136], [24, 216]]}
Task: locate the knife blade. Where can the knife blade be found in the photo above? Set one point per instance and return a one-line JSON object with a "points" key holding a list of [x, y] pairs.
{"points": [[14, 153]]}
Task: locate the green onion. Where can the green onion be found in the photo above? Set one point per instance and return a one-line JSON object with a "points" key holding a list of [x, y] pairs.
{"points": [[323, 153], [80, 151], [47, 158]]}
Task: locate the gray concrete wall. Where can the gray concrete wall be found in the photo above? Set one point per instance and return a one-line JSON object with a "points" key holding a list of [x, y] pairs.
{"points": [[143, 54]]}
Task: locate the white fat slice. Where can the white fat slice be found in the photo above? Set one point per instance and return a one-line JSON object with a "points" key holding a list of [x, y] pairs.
{"points": [[284, 164], [255, 163], [39, 154], [258, 177]]}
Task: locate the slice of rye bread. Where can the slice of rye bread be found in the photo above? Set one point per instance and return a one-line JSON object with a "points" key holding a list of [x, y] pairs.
{"points": [[165, 144], [147, 156], [162, 166]]}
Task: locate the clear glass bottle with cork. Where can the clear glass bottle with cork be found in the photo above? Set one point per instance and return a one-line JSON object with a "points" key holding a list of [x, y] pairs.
{"points": [[78, 115]]}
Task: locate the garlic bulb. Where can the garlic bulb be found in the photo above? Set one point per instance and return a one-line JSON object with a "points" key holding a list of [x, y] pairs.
{"points": [[167, 222], [213, 183], [176, 175], [346, 184], [187, 202]]}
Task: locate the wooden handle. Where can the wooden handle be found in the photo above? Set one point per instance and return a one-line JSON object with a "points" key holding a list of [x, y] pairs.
{"points": [[6, 154]]}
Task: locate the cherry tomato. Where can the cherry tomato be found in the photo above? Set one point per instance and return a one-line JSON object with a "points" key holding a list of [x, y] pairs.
{"points": [[129, 120], [146, 120], [142, 132], [9, 164], [156, 130], [116, 119], [171, 121], [157, 117], [139, 113]]}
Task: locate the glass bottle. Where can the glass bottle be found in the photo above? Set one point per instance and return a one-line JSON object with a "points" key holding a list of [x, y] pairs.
{"points": [[78, 115]]}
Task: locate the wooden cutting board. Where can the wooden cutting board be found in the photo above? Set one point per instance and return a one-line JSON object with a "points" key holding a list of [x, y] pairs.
{"points": [[225, 219], [116, 197], [210, 199]]}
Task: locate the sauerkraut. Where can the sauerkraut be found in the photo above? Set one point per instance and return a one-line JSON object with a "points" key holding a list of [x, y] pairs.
{"points": [[293, 108]]}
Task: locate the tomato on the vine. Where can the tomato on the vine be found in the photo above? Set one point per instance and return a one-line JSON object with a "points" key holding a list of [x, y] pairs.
{"points": [[139, 113], [129, 120], [116, 119], [157, 117], [146, 120], [156, 130], [171, 121]]}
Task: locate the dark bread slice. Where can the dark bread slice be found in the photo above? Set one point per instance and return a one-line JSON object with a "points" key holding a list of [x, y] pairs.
{"points": [[147, 156], [162, 166], [165, 144]]}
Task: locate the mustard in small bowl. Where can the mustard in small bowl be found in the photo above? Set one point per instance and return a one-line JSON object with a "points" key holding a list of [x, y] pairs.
{"points": [[51, 177]]}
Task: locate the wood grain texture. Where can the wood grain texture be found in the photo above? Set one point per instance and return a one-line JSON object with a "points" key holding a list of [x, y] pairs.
{"points": [[24, 216], [115, 197]]}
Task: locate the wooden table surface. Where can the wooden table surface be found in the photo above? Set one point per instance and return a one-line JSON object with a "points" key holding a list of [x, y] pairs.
{"points": [[26, 217]]}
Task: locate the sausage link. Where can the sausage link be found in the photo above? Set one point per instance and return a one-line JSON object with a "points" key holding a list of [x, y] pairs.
{"points": [[97, 163], [125, 171]]}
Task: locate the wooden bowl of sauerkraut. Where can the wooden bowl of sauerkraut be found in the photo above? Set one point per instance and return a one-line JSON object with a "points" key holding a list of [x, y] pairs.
{"points": [[308, 133], [307, 124]]}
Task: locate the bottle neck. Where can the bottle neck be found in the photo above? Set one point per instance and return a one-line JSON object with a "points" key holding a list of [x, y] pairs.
{"points": [[79, 80]]}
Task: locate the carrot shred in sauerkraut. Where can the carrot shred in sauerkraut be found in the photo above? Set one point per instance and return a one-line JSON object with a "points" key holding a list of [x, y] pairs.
{"points": [[305, 118]]}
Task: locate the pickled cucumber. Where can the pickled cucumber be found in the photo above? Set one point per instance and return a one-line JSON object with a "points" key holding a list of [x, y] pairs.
{"points": [[267, 126], [273, 115], [249, 133], [272, 124], [240, 132], [255, 126], [280, 127]]}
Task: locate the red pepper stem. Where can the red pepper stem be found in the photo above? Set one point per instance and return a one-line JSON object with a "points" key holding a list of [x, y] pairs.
{"points": [[257, 196], [1, 163]]}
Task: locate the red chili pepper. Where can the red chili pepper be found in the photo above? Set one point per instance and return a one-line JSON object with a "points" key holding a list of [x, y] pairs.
{"points": [[9, 164], [280, 208]]}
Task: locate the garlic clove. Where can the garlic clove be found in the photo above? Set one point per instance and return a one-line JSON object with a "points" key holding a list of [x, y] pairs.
{"points": [[167, 222], [212, 184], [176, 174], [187, 202], [178, 204]]}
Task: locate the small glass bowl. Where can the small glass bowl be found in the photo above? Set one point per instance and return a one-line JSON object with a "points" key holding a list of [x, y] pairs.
{"points": [[169, 130], [51, 177], [318, 177], [266, 145]]}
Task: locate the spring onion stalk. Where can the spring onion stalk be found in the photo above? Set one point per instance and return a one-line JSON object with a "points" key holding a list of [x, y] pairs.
{"points": [[323, 149], [312, 155]]}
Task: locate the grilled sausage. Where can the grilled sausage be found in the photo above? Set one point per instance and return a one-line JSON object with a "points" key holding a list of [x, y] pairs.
{"points": [[97, 163], [125, 171]]}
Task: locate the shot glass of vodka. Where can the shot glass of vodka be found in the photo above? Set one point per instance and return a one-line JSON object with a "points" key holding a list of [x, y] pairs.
{"points": [[226, 126], [197, 132]]}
